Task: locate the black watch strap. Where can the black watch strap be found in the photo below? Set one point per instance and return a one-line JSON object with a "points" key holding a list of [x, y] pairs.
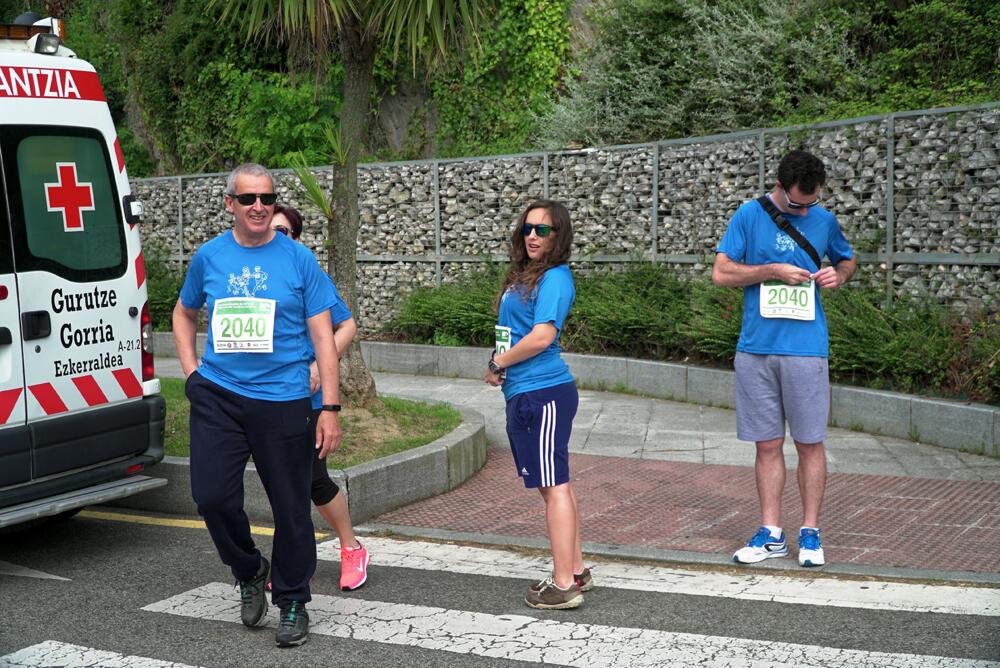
{"points": [[493, 366], [331, 407]]}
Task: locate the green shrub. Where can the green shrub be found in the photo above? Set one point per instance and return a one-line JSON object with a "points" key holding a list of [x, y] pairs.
{"points": [[716, 317], [646, 311], [907, 346], [634, 312], [459, 313], [974, 371]]}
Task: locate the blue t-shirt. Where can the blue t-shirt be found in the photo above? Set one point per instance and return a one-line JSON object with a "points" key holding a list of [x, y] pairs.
{"points": [[338, 313], [282, 270], [551, 301], [753, 238]]}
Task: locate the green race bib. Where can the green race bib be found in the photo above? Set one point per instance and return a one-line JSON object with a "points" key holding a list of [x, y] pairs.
{"points": [[502, 338]]}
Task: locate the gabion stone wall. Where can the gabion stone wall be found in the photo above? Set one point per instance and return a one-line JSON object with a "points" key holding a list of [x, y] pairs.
{"points": [[609, 196], [947, 187], [700, 186], [482, 199], [917, 194]]}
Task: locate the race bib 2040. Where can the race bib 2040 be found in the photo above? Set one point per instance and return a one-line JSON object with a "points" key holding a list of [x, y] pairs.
{"points": [[795, 302], [243, 325]]}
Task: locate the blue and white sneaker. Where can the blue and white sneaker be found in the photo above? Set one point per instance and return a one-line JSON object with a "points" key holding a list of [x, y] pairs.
{"points": [[762, 546], [810, 549]]}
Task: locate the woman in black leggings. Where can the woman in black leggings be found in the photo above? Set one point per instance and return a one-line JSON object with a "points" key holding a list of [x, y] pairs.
{"points": [[354, 558]]}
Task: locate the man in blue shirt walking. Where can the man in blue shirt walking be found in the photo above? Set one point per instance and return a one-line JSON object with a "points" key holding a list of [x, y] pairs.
{"points": [[781, 359], [267, 301]]}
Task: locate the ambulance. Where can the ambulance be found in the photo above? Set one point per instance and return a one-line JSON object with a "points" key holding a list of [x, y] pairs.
{"points": [[81, 416]]}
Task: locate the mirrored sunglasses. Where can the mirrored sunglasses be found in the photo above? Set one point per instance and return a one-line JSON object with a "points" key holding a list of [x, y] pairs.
{"points": [[248, 199], [540, 230]]}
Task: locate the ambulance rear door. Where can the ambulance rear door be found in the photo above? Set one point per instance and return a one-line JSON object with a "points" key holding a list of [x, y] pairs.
{"points": [[78, 291]]}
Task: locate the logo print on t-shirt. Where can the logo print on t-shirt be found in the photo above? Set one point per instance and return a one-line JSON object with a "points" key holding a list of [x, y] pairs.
{"points": [[784, 243], [248, 283]]}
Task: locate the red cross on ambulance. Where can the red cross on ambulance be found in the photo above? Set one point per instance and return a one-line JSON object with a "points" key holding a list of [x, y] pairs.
{"points": [[69, 196]]}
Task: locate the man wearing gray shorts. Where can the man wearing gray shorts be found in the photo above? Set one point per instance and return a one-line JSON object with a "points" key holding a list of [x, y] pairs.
{"points": [[781, 358]]}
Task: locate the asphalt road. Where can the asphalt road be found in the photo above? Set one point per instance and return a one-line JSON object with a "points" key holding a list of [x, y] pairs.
{"points": [[113, 569]]}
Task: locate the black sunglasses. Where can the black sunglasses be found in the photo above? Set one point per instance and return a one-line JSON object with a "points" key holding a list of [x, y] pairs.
{"points": [[281, 228], [540, 230], [248, 199], [795, 205]]}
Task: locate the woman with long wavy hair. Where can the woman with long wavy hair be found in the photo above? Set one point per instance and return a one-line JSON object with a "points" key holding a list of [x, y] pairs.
{"points": [[532, 305]]}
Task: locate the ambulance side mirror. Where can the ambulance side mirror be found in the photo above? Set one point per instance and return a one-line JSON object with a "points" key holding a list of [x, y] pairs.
{"points": [[133, 210]]}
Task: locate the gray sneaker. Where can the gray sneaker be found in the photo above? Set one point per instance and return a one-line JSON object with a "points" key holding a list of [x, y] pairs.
{"points": [[293, 626], [551, 597], [584, 580], [253, 597]]}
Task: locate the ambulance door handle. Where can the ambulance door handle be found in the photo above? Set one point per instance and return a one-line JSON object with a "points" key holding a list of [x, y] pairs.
{"points": [[35, 325], [5, 338]]}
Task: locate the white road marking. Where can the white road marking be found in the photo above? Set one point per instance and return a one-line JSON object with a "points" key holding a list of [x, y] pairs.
{"points": [[759, 586], [64, 655], [7, 568], [523, 638]]}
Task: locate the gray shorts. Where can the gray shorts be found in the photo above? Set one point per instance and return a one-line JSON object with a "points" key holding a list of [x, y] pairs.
{"points": [[773, 388]]}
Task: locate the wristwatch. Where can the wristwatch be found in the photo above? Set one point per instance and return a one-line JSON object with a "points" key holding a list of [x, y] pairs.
{"points": [[331, 407], [494, 367]]}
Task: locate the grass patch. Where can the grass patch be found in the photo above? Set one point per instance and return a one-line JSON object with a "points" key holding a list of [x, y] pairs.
{"points": [[391, 425]]}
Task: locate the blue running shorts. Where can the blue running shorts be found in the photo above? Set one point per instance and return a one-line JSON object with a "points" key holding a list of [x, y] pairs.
{"points": [[539, 424]]}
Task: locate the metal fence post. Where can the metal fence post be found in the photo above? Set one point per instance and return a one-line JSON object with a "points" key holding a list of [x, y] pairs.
{"points": [[654, 214], [180, 224], [890, 205], [761, 148], [437, 225], [545, 175]]}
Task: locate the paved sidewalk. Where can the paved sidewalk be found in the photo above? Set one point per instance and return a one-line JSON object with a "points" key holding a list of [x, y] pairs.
{"points": [[668, 476], [671, 476]]}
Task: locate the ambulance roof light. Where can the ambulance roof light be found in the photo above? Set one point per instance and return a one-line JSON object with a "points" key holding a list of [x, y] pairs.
{"points": [[29, 24]]}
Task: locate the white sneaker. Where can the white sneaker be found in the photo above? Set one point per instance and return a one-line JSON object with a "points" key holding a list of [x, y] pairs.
{"points": [[762, 546], [810, 549]]}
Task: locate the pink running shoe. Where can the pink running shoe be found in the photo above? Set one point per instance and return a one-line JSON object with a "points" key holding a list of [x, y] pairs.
{"points": [[353, 567]]}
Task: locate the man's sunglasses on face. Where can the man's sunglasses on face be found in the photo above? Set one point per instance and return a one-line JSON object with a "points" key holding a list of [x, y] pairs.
{"points": [[540, 230], [248, 199], [797, 205]]}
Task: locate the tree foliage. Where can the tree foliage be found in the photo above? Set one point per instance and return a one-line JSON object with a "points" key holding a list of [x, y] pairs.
{"points": [[674, 68], [189, 93]]}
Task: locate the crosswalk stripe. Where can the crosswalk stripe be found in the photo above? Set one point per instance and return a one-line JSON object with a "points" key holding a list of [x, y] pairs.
{"points": [[808, 590], [64, 655], [523, 638]]}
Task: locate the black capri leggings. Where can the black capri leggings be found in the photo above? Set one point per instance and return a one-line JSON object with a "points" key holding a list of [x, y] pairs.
{"points": [[323, 487]]}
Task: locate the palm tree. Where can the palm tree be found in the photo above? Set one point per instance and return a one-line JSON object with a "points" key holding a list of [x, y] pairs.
{"points": [[429, 30]]}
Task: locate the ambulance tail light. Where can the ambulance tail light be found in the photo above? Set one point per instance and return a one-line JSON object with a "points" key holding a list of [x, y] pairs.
{"points": [[146, 332]]}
